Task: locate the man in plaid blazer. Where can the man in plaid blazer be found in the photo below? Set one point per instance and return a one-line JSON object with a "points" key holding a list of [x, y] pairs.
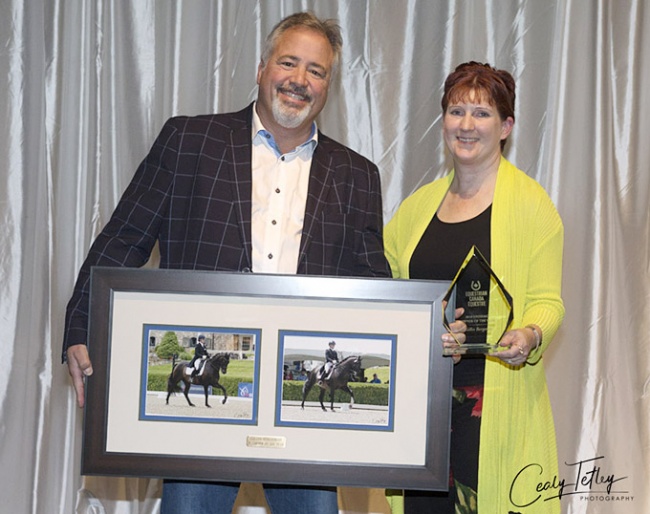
{"points": [[257, 190]]}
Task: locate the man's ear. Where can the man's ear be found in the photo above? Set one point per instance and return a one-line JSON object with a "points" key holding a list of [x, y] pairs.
{"points": [[260, 68]]}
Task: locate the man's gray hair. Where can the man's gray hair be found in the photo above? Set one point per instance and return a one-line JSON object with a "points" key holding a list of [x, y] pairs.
{"points": [[307, 20]]}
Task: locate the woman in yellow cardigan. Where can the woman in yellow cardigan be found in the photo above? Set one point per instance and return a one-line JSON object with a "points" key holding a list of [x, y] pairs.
{"points": [[503, 437]]}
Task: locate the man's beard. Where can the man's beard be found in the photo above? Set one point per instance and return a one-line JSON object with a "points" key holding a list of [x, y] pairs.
{"points": [[289, 117]]}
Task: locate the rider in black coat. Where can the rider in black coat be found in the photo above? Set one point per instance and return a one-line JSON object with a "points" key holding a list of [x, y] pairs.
{"points": [[331, 360], [200, 351]]}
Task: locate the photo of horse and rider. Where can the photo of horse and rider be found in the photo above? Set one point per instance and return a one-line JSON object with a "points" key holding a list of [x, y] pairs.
{"points": [[325, 380], [197, 373]]}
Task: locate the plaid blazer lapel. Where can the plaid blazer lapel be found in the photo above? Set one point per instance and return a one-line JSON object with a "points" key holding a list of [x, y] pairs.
{"points": [[317, 193], [241, 151]]}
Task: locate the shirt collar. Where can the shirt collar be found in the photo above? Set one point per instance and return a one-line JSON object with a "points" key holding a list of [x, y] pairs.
{"points": [[261, 135]]}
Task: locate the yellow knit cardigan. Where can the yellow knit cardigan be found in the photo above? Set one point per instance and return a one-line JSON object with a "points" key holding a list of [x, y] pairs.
{"points": [[517, 430]]}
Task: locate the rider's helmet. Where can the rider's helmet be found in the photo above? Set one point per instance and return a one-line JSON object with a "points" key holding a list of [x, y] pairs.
{"points": [[332, 344], [201, 337]]}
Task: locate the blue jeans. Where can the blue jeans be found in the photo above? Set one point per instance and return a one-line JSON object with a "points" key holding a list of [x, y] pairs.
{"points": [[218, 498]]}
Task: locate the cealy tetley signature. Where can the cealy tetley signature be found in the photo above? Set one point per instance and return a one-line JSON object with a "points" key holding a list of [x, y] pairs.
{"points": [[589, 477]]}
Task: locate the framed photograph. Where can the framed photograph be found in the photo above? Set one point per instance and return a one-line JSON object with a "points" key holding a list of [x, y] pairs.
{"points": [[196, 379], [267, 378]]}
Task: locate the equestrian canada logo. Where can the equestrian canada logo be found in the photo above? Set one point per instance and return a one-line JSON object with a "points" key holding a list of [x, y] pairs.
{"points": [[476, 285]]}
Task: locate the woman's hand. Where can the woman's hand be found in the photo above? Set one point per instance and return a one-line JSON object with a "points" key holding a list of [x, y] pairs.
{"points": [[456, 334], [519, 344]]}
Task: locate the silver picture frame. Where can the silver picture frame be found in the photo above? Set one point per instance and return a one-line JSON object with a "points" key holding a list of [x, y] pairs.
{"points": [[394, 325]]}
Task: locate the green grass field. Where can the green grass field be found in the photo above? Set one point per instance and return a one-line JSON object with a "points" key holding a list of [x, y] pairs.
{"points": [[240, 369], [383, 373]]}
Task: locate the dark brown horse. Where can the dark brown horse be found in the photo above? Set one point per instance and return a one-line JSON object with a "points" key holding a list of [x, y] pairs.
{"points": [[343, 372], [216, 364]]}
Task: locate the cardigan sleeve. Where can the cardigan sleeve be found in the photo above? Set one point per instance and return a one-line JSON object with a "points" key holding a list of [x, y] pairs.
{"points": [[527, 241], [544, 306]]}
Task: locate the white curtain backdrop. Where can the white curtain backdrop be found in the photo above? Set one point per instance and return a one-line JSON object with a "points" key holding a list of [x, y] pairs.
{"points": [[87, 84]]}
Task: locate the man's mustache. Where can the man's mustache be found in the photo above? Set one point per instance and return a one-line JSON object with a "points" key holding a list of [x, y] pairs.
{"points": [[296, 90]]}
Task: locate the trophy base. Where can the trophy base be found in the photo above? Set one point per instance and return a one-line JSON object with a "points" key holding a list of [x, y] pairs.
{"points": [[469, 348]]}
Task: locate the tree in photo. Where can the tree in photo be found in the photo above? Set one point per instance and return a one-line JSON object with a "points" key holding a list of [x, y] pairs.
{"points": [[168, 346]]}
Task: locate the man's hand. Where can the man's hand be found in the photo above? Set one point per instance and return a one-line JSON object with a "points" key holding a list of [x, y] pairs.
{"points": [[79, 367]]}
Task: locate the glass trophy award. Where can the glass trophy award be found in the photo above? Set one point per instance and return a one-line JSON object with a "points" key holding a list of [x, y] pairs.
{"points": [[486, 301]]}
